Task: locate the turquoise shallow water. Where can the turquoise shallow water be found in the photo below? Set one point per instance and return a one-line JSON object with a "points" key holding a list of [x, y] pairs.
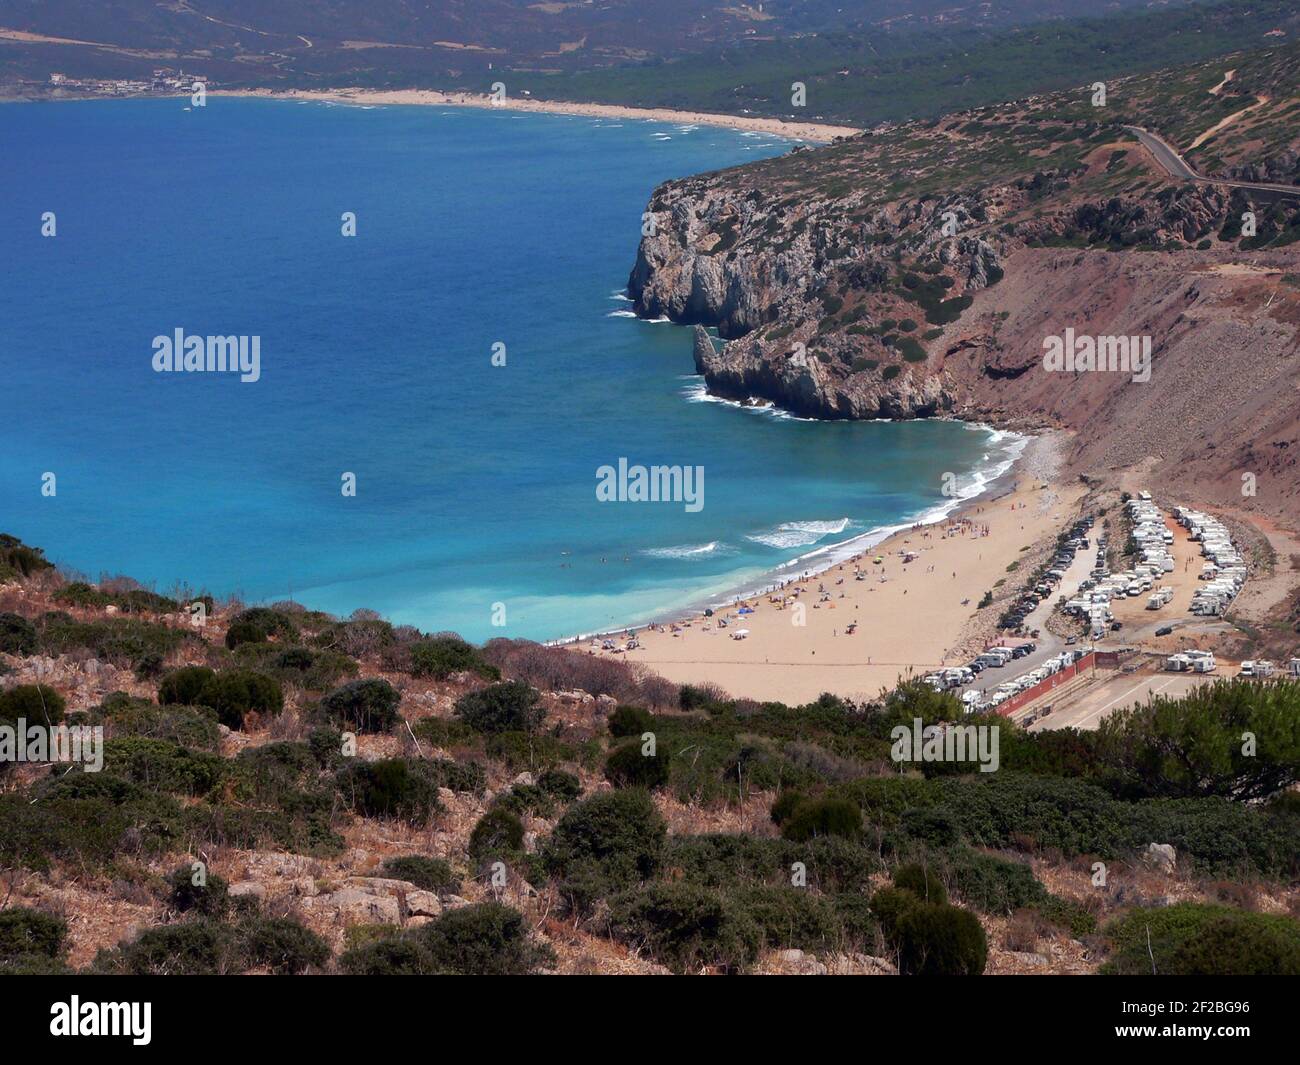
{"points": [[475, 483]]}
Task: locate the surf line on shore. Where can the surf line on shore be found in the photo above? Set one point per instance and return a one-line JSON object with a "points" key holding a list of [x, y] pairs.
{"points": [[985, 485]]}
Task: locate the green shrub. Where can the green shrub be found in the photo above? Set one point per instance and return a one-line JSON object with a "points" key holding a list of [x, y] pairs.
{"points": [[626, 766], [193, 948], [686, 928], [190, 726], [235, 693], [30, 932], [1193, 939], [430, 874], [859, 929], [994, 885], [389, 957], [86, 818], [605, 843], [785, 805], [441, 656], [150, 666], [498, 836], [17, 559], [242, 632], [17, 634], [921, 881], [938, 940], [1191, 747], [526, 798], [79, 593], [888, 906], [37, 704], [484, 940], [911, 350], [790, 917], [508, 707], [831, 864], [1066, 914], [210, 948], [630, 721], [160, 765], [208, 899], [391, 788], [183, 685], [306, 667], [258, 624], [368, 705], [123, 641], [564, 786], [823, 817], [280, 945]]}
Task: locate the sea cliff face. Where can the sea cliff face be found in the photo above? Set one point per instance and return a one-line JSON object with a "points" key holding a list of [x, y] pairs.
{"points": [[835, 303], [904, 275], [803, 292]]}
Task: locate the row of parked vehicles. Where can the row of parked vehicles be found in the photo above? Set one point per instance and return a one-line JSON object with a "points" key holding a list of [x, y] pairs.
{"points": [[1074, 541], [993, 658], [1225, 572], [1263, 669], [991, 699], [1092, 601]]}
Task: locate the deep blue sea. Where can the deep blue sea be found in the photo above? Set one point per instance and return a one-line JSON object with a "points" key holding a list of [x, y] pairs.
{"points": [[475, 483]]}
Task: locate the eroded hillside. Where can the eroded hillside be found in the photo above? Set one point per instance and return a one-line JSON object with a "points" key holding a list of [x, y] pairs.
{"points": [[917, 270]]}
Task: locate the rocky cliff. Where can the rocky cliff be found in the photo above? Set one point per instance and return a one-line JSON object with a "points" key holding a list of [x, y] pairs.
{"points": [[917, 273]]}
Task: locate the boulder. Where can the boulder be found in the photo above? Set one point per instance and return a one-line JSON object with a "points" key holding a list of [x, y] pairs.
{"points": [[1161, 857], [353, 906], [422, 904]]}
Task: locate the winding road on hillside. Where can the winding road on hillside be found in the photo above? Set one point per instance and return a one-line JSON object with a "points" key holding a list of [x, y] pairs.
{"points": [[1167, 156]]}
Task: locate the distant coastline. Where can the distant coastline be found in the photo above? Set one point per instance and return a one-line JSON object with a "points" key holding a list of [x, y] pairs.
{"points": [[815, 132]]}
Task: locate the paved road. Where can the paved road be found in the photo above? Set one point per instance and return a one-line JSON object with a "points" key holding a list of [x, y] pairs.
{"points": [[1049, 644], [1167, 156]]}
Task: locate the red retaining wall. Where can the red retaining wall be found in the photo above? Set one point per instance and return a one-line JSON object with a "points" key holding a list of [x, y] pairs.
{"points": [[1087, 663]]}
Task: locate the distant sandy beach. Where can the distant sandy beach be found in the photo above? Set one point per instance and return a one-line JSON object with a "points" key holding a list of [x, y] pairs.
{"points": [[909, 615], [816, 132]]}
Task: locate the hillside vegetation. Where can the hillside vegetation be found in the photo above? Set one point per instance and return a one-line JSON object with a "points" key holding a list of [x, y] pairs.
{"points": [[284, 791]]}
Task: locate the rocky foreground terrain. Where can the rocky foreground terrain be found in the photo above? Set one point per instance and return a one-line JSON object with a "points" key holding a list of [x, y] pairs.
{"points": [[282, 791]]}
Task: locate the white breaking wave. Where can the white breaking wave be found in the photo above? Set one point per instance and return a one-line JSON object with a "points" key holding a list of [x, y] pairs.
{"points": [[799, 533], [698, 392], [621, 314], [688, 551]]}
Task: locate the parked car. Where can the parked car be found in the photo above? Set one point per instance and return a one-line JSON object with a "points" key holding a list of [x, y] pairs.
{"points": [[1164, 630]]}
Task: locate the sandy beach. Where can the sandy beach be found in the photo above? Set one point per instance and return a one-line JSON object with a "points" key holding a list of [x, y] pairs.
{"points": [[815, 132], [904, 616]]}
